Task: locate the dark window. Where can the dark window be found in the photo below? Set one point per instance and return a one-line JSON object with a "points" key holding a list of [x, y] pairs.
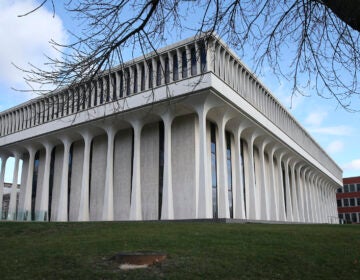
{"points": [[89, 90], [51, 185], [67, 101], [34, 186], [203, 57], [127, 71], [352, 201], [101, 91], [352, 188], [158, 73], [83, 97], [167, 71], [175, 68], [142, 77], [354, 217], [107, 81], [121, 94], [114, 85], [78, 101], [339, 203], [347, 217], [242, 168], [161, 166], [184, 64], [135, 80], [339, 190], [229, 173], [358, 187], [213, 170], [358, 201], [345, 202], [346, 188], [193, 61], [341, 216], [150, 75]]}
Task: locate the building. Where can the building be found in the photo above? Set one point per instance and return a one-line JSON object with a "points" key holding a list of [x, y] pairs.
{"points": [[348, 200], [6, 200], [186, 132]]}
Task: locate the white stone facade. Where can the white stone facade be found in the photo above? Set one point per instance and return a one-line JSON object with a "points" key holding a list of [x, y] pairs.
{"points": [[187, 132]]}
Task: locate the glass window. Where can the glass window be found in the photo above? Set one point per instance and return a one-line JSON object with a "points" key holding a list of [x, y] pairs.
{"points": [[346, 188], [175, 68], [107, 80], [158, 73], [228, 161], [339, 203], [113, 83], [345, 202], [352, 188], [339, 190], [358, 187], [347, 217], [352, 201], [167, 71], [213, 169], [184, 64], [142, 82], [135, 79], [358, 201], [127, 82], [341, 216], [193, 61], [101, 91], [354, 217], [121, 84], [203, 57], [150, 75]]}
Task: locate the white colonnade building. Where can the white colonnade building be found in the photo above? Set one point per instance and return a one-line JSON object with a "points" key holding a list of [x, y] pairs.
{"points": [[187, 132]]}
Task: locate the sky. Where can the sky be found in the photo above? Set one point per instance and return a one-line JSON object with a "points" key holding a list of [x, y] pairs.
{"points": [[25, 40]]}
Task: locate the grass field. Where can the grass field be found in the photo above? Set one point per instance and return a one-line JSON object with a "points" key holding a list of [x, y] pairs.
{"points": [[195, 250]]}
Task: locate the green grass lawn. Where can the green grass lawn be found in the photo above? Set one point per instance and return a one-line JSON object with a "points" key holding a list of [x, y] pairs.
{"points": [[195, 250]]}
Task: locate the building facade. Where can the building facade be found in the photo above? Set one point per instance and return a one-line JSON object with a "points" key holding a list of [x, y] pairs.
{"points": [[186, 132], [348, 200]]}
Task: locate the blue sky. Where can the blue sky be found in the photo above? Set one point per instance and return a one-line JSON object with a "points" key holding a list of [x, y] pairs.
{"points": [[26, 40]]}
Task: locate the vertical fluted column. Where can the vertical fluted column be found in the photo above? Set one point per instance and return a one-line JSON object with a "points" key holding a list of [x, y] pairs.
{"points": [[62, 211], [289, 215], [280, 188], [2, 177], [167, 207], [25, 213], [263, 189], [42, 215], [13, 194], [294, 189], [300, 193], [316, 199], [273, 198], [135, 204], [222, 169], [84, 209], [108, 206], [310, 196], [204, 193], [238, 180], [251, 209]]}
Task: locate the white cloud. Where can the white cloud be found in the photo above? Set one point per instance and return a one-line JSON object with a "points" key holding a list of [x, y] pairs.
{"points": [[352, 165], [339, 130], [315, 118], [26, 39], [335, 147]]}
